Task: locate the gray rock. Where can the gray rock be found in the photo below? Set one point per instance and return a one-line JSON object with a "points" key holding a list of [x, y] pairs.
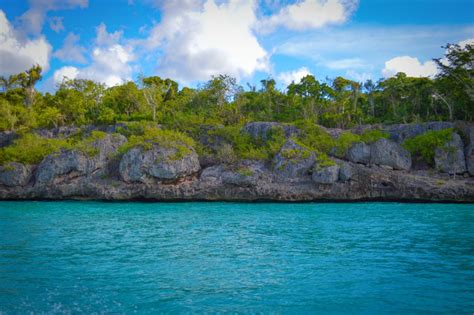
{"points": [[401, 132], [469, 151], [71, 163], [262, 130], [450, 158], [14, 174], [108, 146], [359, 153], [389, 153], [7, 137], [248, 174], [138, 165], [345, 172], [326, 175], [293, 160]]}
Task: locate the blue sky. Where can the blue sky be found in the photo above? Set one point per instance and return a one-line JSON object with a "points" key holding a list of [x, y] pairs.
{"points": [[112, 41]]}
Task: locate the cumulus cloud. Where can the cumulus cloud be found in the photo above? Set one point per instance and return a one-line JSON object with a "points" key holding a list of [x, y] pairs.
{"points": [[110, 61], [71, 51], [309, 14], [32, 20], [18, 54], [293, 76], [198, 40], [63, 73], [464, 43], [412, 67]]}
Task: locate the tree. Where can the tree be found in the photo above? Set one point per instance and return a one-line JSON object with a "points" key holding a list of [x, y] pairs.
{"points": [[455, 81], [156, 91], [27, 81]]}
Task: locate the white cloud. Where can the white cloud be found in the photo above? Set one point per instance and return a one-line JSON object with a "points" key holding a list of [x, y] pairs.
{"points": [[412, 67], [371, 45], [309, 14], [18, 54], [199, 40], [71, 51], [32, 20], [65, 73], [110, 61], [56, 23], [463, 43], [293, 76]]}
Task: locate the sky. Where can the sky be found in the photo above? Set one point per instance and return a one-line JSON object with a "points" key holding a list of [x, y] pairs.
{"points": [[114, 41]]}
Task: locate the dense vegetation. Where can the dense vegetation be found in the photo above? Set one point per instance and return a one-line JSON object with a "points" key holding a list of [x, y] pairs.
{"points": [[220, 107]]}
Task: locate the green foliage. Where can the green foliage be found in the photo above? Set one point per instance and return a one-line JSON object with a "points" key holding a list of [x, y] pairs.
{"points": [[246, 147], [87, 145], [166, 138], [31, 149], [314, 137], [244, 171], [424, 145], [370, 136]]}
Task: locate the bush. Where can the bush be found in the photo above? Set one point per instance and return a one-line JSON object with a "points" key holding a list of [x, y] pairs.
{"points": [[424, 145], [370, 136], [166, 138], [31, 149], [246, 147]]}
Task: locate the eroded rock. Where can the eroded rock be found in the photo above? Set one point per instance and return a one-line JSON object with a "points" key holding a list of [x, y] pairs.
{"points": [[359, 153], [14, 174], [160, 163], [345, 172], [262, 130], [389, 153], [293, 160], [326, 175], [450, 158]]}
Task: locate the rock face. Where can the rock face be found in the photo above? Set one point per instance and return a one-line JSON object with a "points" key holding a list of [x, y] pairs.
{"points": [[293, 160], [164, 173], [450, 158], [359, 153], [388, 153], [401, 132], [326, 175], [469, 152], [262, 130], [67, 163], [14, 174], [159, 163], [345, 172], [72, 164], [7, 137]]}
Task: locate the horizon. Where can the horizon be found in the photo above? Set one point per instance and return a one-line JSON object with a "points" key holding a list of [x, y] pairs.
{"points": [[192, 41]]}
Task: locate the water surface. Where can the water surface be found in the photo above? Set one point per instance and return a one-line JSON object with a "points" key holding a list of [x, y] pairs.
{"points": [[69, 257]]}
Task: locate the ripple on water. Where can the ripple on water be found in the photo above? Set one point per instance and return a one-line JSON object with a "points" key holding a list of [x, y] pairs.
{"points": [[63, 257]]}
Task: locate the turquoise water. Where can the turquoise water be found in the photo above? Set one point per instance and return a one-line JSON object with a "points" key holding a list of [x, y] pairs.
{"points": [[70, 257]]}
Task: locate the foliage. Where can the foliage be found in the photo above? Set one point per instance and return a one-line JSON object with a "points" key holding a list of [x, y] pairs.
{"points": [[31, 149], [424, 145], [166, 138]]}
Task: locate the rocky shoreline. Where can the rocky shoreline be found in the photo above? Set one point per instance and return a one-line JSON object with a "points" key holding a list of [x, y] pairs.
{"points": [[382, 170]]}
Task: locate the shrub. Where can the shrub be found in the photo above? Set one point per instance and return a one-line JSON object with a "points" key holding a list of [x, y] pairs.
{"points": [[166, 138], [370, 136], [86, 145], [31, 149], [246, 147], [424, 145]]}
